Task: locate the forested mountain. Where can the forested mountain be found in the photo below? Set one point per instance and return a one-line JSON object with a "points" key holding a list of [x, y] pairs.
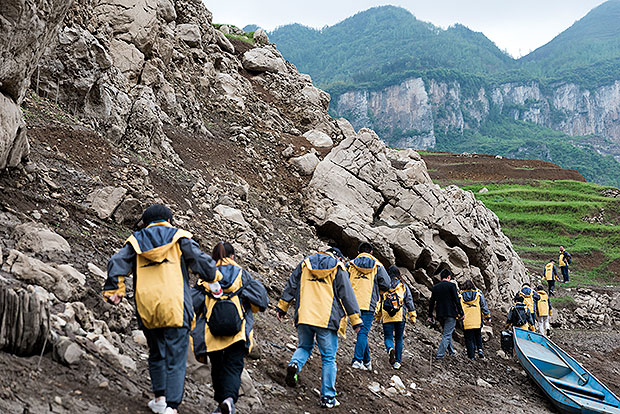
{"points": [[421, 86]]}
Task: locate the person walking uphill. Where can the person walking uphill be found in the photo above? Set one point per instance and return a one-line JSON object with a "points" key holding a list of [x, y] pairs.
{"points": [[160, 257], [320, 287], [550, 274], [391, 311], [543, 310], [520, 316], [564, 260], [475, 309], [224, 323], [446, 304], [368, 278], [529, 296]]}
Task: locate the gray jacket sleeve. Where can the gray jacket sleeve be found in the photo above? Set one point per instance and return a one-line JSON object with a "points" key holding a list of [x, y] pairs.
{"points": [[409, 300], [121, 264], [254, 292], [484, 306], [197, 261], [290, 290], [383, 279], [344, 292]]}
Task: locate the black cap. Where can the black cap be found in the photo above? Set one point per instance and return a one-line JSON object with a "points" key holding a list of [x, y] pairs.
{"points": [[394, 272], [336, 252], [156, 212]]}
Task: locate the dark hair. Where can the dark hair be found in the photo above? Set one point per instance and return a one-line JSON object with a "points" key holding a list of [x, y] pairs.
{"points": [[394, 272], [539, 287], [222, 250], [519, 298], [445, 274], [365, 247], [552, 260], [469, 285], [526, 284], [336, 252], [155, 213]]}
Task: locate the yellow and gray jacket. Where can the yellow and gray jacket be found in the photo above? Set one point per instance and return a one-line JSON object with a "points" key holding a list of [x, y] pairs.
{"points": [[543, 304], [248, 294], [529, 297], [561, 261], [551, 272], [160, 258], [406, 300], [368, 278], [520, 316], [474, 307], [322, 292]]}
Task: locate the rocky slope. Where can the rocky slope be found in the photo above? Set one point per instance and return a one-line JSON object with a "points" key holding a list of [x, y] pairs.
{"points": [[148, 103], [407, 114]]}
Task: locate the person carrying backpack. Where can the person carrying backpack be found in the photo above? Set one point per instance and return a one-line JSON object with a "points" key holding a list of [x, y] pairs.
{"points": [[475, 309], [529, 296], [543, 310], [520, 316], [323, 296], [550, 274], [369, 279], [160, 257], [224, 323], [391, 312], [564, 260]]}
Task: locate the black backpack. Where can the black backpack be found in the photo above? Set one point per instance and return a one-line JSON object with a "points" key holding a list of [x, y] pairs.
{"points": [[567, 257], [225, 319], [521, 317], [391, 303]]}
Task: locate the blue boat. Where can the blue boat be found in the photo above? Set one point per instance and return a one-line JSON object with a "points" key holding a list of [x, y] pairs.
{"points": [[570, 386]]}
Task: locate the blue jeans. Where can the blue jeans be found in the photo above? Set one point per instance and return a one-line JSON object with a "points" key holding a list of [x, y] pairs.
{"points": [[327, 340], [446, 340], [390, 330], [167, 362], [564, 271], [362, 351]]}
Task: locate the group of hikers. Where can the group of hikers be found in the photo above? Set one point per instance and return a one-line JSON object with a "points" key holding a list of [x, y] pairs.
{"points": [[551, 274], [532, 309], [217, 312]]}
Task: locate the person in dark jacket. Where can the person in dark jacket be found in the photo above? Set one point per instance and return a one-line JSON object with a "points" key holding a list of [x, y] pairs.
{"points": [[394, 317], [369, 279], [160, 257], [446, 305], [323, 297], [226, 352], [520, 316]]}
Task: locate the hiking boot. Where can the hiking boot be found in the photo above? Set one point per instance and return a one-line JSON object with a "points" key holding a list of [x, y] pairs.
{"points": [[227, 406], [291, 375], [480, 354], [157, 406], [396, 365], [368, 366], [392, 355], [327, 402], [358, 365]]}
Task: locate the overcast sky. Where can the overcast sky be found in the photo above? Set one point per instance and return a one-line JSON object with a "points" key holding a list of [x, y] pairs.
{"points": [[517, 26]]}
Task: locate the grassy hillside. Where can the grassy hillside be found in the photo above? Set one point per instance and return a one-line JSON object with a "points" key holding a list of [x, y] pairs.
{"points": [[540, 216]]}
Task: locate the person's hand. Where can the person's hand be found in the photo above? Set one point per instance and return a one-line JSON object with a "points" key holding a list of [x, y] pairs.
{"points": [[280, 315], [357, 329], [115, 299], [488, 319], [431, 320]]}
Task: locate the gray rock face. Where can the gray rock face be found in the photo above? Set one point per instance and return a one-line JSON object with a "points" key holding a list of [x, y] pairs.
{"points": [[35, 237], [305, 164], [261, 37], [27, 28], [263, 60], [25, 321], [105, 200], [318, 139], [363, 191]]}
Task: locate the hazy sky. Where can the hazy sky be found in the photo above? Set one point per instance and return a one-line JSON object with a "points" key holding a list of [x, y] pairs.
{"points": [[517, 26]]}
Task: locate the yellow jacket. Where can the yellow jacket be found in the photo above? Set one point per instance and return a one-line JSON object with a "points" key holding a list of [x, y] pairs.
{"points": [[405, 300], [543, 305], [551, 273], [368, 278], [474, 308]]}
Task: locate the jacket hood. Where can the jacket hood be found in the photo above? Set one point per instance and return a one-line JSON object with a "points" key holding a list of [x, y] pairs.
{"points": [[155, 241], [526, 291], [542, 293], [229, 270], [469, 296], [364, 263], [321, 264], [394, 283]]}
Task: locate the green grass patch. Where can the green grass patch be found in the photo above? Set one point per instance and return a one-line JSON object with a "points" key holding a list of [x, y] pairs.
{"points": [[563, 302], [248, 37]]}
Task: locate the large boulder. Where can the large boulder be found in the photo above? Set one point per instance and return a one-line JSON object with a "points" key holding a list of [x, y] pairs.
{"points": [[262, 59], [363, 191], [13, 143], [36, 238]]}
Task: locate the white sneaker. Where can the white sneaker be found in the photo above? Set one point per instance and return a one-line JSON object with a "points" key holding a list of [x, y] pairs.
{"points": [[397, 365], [368, 366], [359, 365], [170, 410], [157, 406]]}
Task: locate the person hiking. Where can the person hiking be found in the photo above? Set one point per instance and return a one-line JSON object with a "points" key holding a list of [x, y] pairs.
{"points": [[391, 313], [475, 309], [160, 257], [224, 323], [446, 304], [520, 316], [369, 279], [550, 274], [543, 310], [323, 297], [529, 296], [564, 260]]}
